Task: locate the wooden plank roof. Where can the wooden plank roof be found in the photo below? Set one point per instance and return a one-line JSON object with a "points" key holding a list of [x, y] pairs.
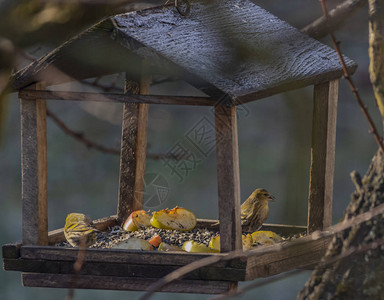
{"points": [[229, 47]]}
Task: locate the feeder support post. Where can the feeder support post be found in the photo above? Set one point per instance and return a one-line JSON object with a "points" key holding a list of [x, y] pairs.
{"points": [[228, 177], [322, 155], [133, 147], [34, 169]]}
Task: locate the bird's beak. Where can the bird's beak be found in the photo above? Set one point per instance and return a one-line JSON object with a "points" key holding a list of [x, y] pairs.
{"points": [[271, 198]]}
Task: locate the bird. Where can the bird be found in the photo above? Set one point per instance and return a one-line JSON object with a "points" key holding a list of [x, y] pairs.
{"points": [[255, 210], [79, 230]]}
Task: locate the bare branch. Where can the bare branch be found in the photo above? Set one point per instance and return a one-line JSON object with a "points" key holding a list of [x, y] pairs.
{"points": [[347, 75], [77, 266], [347, 253], [323, 26], [177, 274], [80, 137]]}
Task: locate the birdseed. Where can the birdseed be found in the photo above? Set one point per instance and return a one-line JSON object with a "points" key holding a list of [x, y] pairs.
{"points": [[116, 235]]}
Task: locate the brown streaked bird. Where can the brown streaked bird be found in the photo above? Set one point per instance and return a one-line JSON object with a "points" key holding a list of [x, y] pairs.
{"points": [[79, 229], [255, 210]]}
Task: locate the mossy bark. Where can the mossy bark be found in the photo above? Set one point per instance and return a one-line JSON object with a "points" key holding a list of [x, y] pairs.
{"points": [[376, 50], [360, 276]]}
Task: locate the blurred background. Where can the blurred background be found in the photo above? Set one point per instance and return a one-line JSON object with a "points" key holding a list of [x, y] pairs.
{"points": [[274, 139]]}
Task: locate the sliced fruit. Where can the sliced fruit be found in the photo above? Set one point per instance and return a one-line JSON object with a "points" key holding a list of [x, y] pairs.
{"points": [[134, 244], [247, 242], [177, 218], [192, 246], [214, 243], [167, 247], [136, 220], [265, 237], [155, 241]]}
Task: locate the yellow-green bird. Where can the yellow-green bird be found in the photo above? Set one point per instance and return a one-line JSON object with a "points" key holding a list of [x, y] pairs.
{"points": [[79, 229], [255, 210]]}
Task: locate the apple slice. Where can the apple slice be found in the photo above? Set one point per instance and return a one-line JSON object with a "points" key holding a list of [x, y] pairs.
{"points": [[137, 220], [134, 244], [167, 247], [214, 243], [192, 246], [247, 242], [177, 218], [266, 237]]}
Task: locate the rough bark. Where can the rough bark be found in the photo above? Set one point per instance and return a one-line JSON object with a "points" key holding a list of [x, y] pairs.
{"points": [[376, 50], [360, 276]]}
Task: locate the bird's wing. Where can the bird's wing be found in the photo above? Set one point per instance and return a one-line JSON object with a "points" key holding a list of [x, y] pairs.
{"points": [[246, 217], [80, 227]]}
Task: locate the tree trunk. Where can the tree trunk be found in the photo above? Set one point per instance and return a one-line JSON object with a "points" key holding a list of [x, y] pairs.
{"points": [[360, 276], [376, 50]]}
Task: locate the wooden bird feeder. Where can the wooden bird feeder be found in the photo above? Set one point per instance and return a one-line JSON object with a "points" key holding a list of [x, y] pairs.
{"points": [[199, 48]]}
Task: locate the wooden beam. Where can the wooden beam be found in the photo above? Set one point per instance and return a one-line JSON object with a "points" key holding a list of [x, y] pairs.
{"points": [[116, 98], [304, 254], [228, 178], [11, 250], [121, 256], [322, 156], [147, 270], [133, 150], [34, 170], [122, 283]]}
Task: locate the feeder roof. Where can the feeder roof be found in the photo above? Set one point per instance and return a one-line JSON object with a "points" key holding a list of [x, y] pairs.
{"points": [[230, 47]]}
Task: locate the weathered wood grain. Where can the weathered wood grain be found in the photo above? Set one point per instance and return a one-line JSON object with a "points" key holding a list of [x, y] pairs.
{"points": [[295, 256], [36, 266], [133, 150], [231, 47], [277, 56], [120, 269], [11, 250], [120, 256], [34, 170], [322, 156], [141, 138], [228, 177], [122, 283], [115, 98]]}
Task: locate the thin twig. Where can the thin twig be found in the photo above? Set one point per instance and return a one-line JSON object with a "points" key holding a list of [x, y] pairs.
{"points": [[77, 266], [177, 274], [80, 137], [323, 264], [354, 90], [257, 284]]}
